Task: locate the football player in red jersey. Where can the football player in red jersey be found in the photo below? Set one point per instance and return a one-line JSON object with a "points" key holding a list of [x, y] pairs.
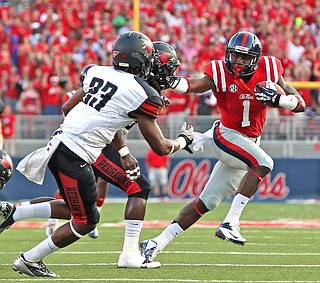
{"points": [[114, 97], [242, 163]]}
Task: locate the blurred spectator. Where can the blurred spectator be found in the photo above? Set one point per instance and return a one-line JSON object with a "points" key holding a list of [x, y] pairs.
{"points": [[10, 88], [1, 132], [302, 72], [315, 104], [53, 97], [295, 48], [157, 168], [30, 101], [177, 112], [24, 81], [206, 103], [8, 120]]}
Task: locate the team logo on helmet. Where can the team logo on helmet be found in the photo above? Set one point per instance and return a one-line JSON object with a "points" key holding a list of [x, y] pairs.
{"points": [[164, 58], [115, 53], [148, 46]]}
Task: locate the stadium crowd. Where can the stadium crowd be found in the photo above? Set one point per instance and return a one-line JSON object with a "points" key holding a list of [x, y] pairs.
{"points": [[46, 43]]}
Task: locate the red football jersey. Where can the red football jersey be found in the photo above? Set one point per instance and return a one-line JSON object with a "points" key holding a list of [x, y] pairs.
{"points": [[240, 110]]}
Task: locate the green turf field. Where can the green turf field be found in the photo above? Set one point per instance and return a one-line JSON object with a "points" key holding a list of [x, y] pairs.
{"points": [[272, 254]]}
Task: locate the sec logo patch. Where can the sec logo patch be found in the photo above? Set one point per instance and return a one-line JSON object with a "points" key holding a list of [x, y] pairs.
{"points": [[233, 88]]}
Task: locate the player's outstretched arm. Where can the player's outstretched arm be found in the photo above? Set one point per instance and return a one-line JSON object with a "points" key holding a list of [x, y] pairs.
{"points": [[152, 133], [194, 85]]}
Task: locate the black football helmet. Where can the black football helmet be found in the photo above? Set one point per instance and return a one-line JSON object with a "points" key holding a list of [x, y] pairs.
{"points": [[165, 64], [133, 50], [6, 168], [246, 43], [83, 73]]}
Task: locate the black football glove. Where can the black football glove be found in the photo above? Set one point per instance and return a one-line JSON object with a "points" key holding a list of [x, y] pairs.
{"points": [[187, 132], [267, 96]]}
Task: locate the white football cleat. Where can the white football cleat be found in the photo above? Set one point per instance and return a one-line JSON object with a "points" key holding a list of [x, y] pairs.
{"points": [[230, 233], [149, 249], [94, 233], [51, 226], [135, 260], [34, 269]]}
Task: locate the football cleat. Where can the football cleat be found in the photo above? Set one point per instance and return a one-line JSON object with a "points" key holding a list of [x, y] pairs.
{"points": [[94, 233], [51, 226], [34, 269], [135, 260], [149, 250], [6, 212], [230, 233]]}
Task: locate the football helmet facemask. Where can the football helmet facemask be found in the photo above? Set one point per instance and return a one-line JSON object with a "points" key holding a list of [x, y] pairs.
{"points": [[6, 168], [245, 43], [133, 49], [165, 64]]}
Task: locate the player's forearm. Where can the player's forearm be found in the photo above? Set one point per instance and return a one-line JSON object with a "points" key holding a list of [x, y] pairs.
{"points": [[194, 85]]}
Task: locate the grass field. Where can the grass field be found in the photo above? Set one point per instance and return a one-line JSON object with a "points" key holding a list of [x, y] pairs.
{"points": [[272, 254]]}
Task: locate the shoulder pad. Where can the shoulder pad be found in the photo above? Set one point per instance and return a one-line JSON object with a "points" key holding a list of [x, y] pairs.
{"points": [[153, 95]]}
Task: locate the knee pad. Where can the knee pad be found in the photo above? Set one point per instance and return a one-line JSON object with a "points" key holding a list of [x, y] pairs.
{"points": [[144, 185], [95, 217], [141, 194]]}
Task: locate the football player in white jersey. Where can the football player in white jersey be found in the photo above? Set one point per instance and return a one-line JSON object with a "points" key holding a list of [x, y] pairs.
{"points": [[114, 97]]}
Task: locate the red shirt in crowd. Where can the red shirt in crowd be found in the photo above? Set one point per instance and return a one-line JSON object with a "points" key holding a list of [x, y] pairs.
{"points": [[156, 161]]}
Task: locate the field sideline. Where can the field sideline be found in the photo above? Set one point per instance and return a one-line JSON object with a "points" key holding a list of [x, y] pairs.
{"points": [[275, 252]]}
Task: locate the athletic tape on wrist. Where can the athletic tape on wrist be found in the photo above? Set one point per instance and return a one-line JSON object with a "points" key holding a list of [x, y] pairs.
{"points": [[172, 148], [289, 102], [123, 151], [182, 142], [182, 86]]}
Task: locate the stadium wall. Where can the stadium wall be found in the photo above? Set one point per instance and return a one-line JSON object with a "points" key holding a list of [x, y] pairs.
{"points": [[290, 179]]}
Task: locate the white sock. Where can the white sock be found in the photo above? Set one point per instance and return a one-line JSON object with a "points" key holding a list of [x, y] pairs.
{"points": [[38, 210], [168, 234], [53, 221], [25, 203], [131, 235], [238, 204], [40, 251]]}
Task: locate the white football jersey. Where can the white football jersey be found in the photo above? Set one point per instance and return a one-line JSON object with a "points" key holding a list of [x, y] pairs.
{"points": [[110, 96]]}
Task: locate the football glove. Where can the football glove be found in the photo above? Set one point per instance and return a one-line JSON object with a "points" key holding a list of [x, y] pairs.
{"points": [[166, 101], [187, 132], [267, 96], [133, 174]]}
